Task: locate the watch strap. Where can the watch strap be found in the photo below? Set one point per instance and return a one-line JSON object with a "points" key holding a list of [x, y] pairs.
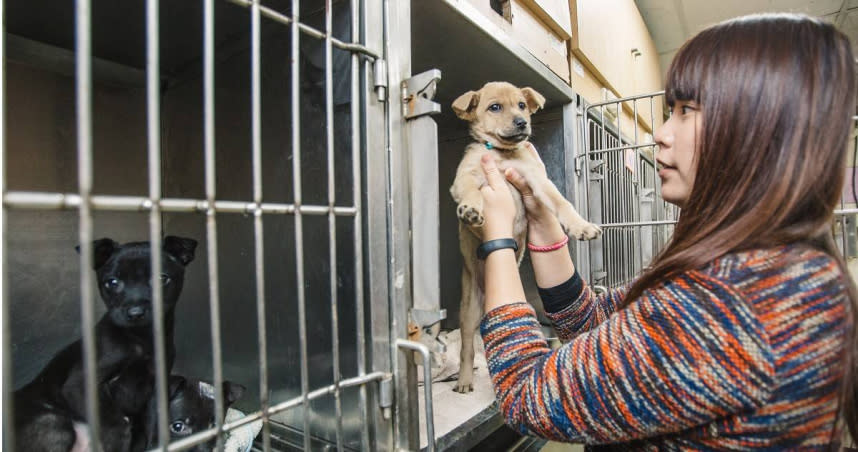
{"points": [[487, 248]]}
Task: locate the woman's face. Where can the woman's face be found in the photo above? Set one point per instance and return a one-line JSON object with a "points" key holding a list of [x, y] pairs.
{"points": [[677, 143]]}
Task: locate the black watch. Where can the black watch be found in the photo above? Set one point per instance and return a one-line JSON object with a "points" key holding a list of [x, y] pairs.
{"points": [[486, 248]]}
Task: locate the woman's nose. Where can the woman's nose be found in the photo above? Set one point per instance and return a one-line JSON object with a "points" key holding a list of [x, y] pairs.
{"points": [[663, 136]]}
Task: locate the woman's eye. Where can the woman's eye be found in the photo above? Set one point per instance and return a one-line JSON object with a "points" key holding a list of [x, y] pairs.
{"points": [[165, 279], [521, 105], [686, 109], [178, 427], [495, 107]]}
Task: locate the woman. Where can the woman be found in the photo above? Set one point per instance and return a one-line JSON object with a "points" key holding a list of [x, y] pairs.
{"points": [[740, 334]]}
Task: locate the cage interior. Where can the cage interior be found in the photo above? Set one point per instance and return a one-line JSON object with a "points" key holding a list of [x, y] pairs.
{"points": [[43, 270], [470, 53]]}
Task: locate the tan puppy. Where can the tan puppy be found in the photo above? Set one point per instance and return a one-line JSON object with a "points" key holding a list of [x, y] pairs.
{"points": [[499, 114]]}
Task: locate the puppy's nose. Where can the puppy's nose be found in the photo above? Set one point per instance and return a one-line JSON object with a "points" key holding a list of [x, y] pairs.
{"points": [[520, 122], [135, 312]]}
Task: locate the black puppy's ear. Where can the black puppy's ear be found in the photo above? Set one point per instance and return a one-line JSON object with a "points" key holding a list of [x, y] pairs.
{"points": [[101, 251], [176, 384], [535, 101], [232, 392], [466, 103], [180, 247]]}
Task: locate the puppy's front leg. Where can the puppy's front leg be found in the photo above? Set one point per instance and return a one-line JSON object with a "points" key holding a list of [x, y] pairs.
{"points": [[573, 224], [466, 192]]}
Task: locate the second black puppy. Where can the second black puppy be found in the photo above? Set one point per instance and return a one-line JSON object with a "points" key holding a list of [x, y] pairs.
{"points": [[47, 409], [191, 410]]}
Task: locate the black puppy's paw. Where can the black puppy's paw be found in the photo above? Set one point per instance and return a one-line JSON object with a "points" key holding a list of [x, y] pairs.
{"points": [[471, 216]]}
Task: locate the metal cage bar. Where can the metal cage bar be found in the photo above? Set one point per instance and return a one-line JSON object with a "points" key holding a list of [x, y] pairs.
{"points": [[299, 223], [258, 231], [211, 216], [357, 200], [8, 442], [332, 225], [47, 201], [310, 31], [153, 132], [83, 88]]}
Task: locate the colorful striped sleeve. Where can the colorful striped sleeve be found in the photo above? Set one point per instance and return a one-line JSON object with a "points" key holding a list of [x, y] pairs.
{"points": [[685, 353], [586, 311]]}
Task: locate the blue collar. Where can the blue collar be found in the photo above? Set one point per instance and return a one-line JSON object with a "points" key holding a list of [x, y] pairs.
{"points": [[489, 145]]}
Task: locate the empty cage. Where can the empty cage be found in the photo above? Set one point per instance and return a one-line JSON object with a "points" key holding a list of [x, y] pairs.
{"points": [[623, 188]]}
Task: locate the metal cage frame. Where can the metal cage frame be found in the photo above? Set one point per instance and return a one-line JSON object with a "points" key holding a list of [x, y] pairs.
{"points": [[371, 245]]}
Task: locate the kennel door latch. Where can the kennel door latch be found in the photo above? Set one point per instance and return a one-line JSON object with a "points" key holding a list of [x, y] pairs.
{"points": [[425, 318], [418, 92]]}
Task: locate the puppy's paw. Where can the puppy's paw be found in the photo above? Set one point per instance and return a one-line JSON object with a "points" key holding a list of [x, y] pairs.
{"points": [[465, 383], [584, 231], [463, 388], [469, 215], [576, 227]]}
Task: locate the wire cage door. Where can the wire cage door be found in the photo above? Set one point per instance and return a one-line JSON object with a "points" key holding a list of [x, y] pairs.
{"points": [[622, 187], [255, 128]]}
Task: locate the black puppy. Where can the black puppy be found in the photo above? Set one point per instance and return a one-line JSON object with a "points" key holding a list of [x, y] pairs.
{"points": [[47, 408], [191, 409]]}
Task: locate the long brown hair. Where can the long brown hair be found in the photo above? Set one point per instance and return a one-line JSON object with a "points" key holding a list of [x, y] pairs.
{"points": [[777, 94]]}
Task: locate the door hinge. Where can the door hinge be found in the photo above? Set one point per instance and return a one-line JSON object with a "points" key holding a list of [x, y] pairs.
{"points": [[385, 395], [379, 75]]}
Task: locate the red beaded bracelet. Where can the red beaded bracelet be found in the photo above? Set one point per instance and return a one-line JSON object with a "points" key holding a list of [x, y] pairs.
{"points": [[547, 248]]}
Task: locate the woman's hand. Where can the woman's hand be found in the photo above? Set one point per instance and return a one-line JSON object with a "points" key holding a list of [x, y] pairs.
{"points": [[498, 205], [542, 225]]}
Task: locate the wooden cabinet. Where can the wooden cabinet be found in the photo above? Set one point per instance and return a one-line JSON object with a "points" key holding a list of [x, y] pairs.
{"points": [[611, 43], [543, 27]]}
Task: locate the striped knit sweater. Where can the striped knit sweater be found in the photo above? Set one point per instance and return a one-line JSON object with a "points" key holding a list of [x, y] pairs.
{"points": [[743, 354]]}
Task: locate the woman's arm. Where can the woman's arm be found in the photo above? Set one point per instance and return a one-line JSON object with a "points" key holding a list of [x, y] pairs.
{"points": [[502, 283], [650, 369], [574, 307]]}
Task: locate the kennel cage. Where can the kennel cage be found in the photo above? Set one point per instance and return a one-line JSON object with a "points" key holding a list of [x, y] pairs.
{"points": [[255, 128], [623, 188]]}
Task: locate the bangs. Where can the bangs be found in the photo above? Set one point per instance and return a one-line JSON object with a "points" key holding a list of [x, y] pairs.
{"points": [[686, 75]]}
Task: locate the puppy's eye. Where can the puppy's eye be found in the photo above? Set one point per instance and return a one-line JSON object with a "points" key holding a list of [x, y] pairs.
{"points": [[179, 428], [113, 284], [495, 107], [521, 105]]}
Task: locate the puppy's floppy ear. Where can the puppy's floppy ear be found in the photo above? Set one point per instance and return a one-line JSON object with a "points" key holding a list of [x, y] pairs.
{"points": [[535, 101], [101, 251], [466, 103], [176, 384], [232, 392], [180, 247]]}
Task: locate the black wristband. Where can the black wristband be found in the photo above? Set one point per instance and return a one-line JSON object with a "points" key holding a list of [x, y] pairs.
{"points": [[493, 245]]}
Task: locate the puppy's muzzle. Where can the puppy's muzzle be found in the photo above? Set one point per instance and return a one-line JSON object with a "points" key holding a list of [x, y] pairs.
{"points": [[135, 313], [520, 123]]}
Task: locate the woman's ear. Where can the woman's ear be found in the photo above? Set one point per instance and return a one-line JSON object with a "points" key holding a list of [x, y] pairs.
{"points": [[535, 101], [466, 103]]}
